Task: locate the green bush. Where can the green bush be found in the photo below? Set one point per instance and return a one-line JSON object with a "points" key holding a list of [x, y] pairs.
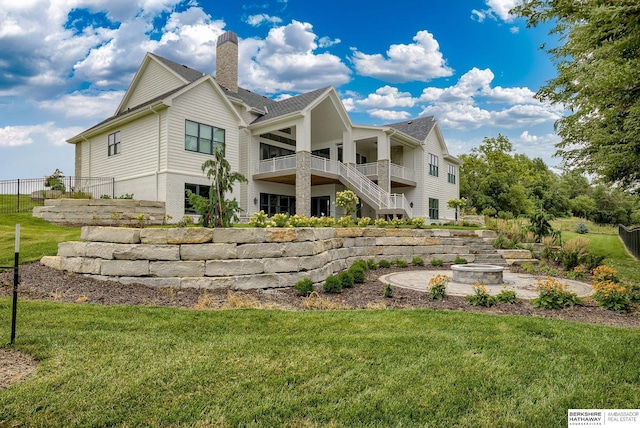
{"points": [[418, 222], [332, 284], [437, 262], [401, 263], [553, 294], [358, 273], [480, 297], [364, 221], [592, 261], [437, 287], [280, 220], [460, 261], [581, 228], [298, 220], [506, 296], [380, 222], [304, 287], [384, 263], [259, 219], [371, 264], [345, 221], [388, 291], [489, 212], [363, 264], [417, 261], [346, 279]]}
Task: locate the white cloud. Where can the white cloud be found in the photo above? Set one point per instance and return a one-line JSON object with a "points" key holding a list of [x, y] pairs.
{"points": [[497, 9], [388, 97], [84, 105], [256, 20], [349, 104], [476, 83], [326, 42], [389, 114], [286, 61], [419, 61], [13, 136], [514, 30]]}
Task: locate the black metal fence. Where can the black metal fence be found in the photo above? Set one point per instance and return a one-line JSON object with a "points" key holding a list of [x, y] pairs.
{"points": [[23, 194], [631, 239]]}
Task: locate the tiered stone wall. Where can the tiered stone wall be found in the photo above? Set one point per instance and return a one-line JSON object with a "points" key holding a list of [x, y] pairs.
{"points": [[243, 258], [103, 212]]}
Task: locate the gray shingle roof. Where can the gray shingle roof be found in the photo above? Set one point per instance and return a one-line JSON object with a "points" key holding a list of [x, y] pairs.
{"points": [[290, 105], [416, 128], [188, 73], [250, 98]]}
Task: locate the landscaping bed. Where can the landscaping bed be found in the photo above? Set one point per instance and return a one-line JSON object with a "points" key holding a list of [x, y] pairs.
{"points": [[42, 283]]}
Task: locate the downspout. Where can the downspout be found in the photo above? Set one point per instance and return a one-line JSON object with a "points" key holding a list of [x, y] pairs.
{"points": [[159, 148]]}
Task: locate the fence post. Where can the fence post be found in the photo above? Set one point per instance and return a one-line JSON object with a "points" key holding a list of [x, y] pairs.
{"points": [[16, 278], [18, 195]]}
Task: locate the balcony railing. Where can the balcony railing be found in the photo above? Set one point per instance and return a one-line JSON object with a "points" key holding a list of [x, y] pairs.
{"points": [[402, 172], [350, 175], [368, 169]]}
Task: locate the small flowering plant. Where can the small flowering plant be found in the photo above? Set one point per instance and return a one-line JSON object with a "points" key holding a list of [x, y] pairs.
{"points": [[608, 291], [506, 295], [553, 294], [480, 296], [437, 287]]}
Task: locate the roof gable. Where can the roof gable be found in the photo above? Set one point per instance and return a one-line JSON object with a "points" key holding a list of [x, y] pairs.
{"points": [[291, 105], [416, 128], [155, 76]]}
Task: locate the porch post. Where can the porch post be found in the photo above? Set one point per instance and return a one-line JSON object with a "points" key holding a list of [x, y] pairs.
{"points": [[384, 170], [303, 167]]}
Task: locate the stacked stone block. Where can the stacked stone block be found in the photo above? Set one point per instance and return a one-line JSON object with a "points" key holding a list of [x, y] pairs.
{"points": [[243, 258], [102, 212]]}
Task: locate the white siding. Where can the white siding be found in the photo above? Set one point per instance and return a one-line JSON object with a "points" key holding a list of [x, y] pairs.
{"points": [[201, 104], [438, 187], [155, 81]]}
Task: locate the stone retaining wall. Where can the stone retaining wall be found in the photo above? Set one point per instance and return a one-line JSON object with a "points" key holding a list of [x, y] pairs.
{"points": [[104, 212], [244, 258]]}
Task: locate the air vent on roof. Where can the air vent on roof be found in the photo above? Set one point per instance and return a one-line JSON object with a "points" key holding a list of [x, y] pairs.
{"points": [[410, 122]]}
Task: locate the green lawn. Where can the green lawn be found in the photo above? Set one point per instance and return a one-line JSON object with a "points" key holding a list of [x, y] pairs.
{"points": [[616, 253], [144, 366], [38, 238]]}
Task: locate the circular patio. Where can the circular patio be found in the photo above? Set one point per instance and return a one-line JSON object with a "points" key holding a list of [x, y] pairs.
{"points": [[523, 284]]}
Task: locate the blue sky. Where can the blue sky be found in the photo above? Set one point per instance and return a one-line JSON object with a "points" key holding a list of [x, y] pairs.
{"points": [[65, 65]]}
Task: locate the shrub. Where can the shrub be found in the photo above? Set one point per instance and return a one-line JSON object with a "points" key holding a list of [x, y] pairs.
{"points": [[380, 222], [417, 261], [605, 273], [577, 273], [332, 284], [503, 243], [592, 261], [186, 221], [326, 221], [346, 279], [437, 287], [418, 222], [401, 263], [529, 268], [388, 291], [259, 219], [345, 221], [298, 220], [489, 212], [314, 221], [280, 220], [371, 264], [505, 215], [552, 294], [581, 228], [358, 273], [364, 221], [437, 262], [361, 264], [612, 296], [506, 296], [398, 221], [573, 252], [460, 261], [348, 201], [304, 287], [384, 263], [480, 297], [634, 291]]}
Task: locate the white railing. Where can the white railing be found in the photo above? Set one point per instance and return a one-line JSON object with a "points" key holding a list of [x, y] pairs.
{"points": [[402, 172], [277, 164], [368, 169], [351, 175]]}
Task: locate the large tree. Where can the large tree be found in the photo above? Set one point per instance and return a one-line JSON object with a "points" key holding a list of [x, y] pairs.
{"points": [[598, 82]]}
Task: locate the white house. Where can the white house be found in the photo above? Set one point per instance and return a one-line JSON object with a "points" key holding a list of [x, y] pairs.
{"points": [[296, 153]]}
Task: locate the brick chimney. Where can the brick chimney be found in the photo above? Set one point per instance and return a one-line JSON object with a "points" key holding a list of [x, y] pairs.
{"points": [[227, 61]]}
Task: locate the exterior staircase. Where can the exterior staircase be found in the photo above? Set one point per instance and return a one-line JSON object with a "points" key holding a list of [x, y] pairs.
{"points": [[483, 251]]}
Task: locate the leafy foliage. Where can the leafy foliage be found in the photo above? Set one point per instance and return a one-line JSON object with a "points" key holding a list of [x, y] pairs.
{"points": [[539, 224], [304, 287], [581, 228], [348, 201], [597, 81], [480, 296], [217, 210], [332, 284], [553, 294], [437, 287]]}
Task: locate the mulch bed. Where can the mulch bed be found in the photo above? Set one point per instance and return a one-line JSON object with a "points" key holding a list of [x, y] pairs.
{"points": [[38, 282]]}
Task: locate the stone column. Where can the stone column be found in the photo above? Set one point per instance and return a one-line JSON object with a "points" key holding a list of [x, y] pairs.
{"points": [[303, 183], [384, 178]]}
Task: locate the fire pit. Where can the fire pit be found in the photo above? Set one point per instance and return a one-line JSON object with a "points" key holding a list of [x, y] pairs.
{"points": [[474, 272]]}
